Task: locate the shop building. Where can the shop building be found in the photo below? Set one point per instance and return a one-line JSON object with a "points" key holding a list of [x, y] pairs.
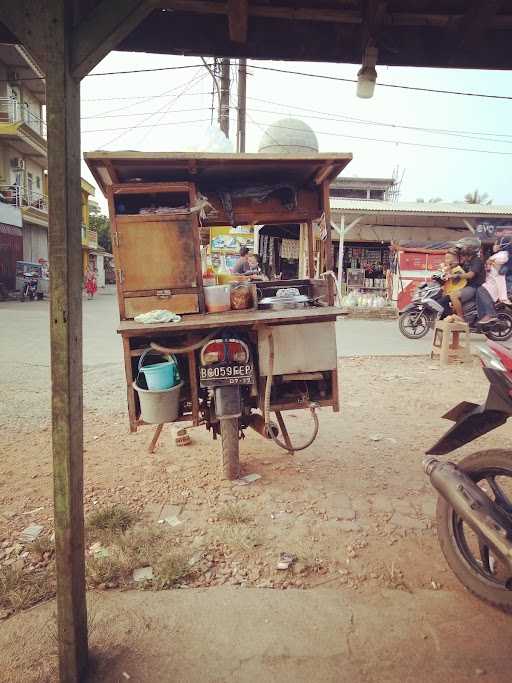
{"points": [[23, 150], [369, 233]]}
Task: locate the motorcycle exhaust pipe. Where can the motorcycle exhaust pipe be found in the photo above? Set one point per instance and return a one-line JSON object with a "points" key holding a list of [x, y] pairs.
{"points": [[472, 504], [257, 422]]}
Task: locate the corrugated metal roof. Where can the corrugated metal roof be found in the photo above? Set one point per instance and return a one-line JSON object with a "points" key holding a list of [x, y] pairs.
{"points": [[439, 209]]}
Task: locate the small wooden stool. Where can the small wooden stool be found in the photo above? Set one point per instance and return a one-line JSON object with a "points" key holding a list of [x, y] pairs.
{"points": [[447, 344]]}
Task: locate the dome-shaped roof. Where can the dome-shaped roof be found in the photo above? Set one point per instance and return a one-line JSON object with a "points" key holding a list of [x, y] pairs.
{"points": [[289, 136]]}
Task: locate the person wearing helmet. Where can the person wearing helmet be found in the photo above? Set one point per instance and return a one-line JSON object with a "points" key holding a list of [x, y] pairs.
{"points": [[475, 276]]}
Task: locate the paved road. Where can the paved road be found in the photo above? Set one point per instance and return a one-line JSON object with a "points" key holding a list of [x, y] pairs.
{"points": [[24, 333]]}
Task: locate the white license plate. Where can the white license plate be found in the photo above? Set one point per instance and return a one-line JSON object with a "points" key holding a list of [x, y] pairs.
{"points": [[219, 375]]}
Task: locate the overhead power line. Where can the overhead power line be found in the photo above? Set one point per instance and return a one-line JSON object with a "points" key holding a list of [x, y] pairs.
{"points": [[148, 125], [383, 85], [297, 73]]}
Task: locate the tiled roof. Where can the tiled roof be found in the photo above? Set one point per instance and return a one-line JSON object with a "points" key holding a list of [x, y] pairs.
{"points": [[427, 208]]}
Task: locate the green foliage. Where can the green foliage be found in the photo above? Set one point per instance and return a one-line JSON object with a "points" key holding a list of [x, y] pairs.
{"points": [[476, 198], [101, 223]]}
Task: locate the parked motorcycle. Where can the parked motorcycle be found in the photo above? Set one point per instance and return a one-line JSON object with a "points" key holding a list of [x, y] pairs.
{"points": [[421, 314], [227, 373], [474, 509], [30, 287]]}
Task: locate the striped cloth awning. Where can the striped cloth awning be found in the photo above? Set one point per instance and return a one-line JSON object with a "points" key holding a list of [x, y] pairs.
{"points": [[6, 229]]}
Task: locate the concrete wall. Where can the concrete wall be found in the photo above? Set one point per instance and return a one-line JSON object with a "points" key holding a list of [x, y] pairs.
{"points": [[10, 215], [35, 242], [37, 175]]}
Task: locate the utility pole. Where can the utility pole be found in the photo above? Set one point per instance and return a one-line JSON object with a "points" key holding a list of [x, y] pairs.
{"points": [[224, 96], [242, 81]]}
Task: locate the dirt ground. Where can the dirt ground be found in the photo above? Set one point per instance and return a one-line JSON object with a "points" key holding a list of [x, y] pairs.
{"points": [[355, 508]]}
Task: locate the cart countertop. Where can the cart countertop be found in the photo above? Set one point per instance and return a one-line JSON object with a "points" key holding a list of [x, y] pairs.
{"points": [[204, 321]]}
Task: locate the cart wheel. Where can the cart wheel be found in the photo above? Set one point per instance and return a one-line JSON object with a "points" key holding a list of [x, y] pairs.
{"points": [[230, 448]]}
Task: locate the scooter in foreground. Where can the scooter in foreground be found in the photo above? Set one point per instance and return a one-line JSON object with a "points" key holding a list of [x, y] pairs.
{"points": [[474, 509]]}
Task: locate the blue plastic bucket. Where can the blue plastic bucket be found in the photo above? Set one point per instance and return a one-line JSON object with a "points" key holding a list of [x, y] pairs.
{"points": [[160, 375]]}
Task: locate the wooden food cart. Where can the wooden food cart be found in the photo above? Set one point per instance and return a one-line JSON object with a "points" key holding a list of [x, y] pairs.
{"points": [[161, 207]]}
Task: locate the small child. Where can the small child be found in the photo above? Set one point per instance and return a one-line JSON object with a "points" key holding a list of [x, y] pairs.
{"points": [[453, 272]]}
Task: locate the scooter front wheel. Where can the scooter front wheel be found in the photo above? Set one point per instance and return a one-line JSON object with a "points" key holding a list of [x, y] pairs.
{"points": [[470, 559], [414, 324]]}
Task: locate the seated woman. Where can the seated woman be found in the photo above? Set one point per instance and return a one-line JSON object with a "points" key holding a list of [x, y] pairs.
{"points": [[495, 282], [255, 272]]}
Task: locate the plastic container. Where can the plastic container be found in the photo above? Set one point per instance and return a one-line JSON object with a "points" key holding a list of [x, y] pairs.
{"points": [[159, 406], [217, 298], [159, 375]]}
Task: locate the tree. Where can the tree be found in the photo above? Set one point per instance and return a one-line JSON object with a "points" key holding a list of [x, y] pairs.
{"points": [[477, 198], [100, 223]]}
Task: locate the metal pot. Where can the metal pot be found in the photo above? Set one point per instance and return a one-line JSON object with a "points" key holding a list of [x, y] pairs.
{"points": [[283, 303]]}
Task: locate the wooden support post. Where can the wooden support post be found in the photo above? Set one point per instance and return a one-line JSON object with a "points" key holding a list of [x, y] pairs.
{"points": [[341, 248], [65, 257], [311, 250], [156, 436], [326, 207], [130, 393]]}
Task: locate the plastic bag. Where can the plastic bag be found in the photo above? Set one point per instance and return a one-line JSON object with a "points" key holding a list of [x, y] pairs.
{"points": [[214, 140]]}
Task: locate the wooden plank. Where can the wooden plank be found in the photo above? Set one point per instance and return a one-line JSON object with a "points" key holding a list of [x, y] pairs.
{"points": [[130, 393], [148, 188], [238, 15], [102, 31], [135, 293], [23, 19], [326, 208], [284, 431], [65, 257], [279, 407], [335, 391], [311, 250], [156, 255], [156, 436], [177, 303], [194, 380], [115, 251], [197, 252], [230, 319]]}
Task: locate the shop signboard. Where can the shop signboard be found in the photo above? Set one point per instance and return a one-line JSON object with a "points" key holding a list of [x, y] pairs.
{"points": [[417, 260], [490, 230], [228, 240]]}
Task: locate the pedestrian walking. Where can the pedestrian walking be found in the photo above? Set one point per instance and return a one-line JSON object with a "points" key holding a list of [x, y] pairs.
{"points": [[91, 284]]}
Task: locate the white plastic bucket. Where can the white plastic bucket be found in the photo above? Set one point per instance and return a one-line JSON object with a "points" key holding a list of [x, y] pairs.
{"points": [[159, 405]]}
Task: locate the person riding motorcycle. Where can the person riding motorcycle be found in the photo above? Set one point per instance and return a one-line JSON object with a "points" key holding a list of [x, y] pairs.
{"points": [[469, 250]]}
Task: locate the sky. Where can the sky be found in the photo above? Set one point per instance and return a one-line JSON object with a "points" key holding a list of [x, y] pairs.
{"points": [[171, 111]]}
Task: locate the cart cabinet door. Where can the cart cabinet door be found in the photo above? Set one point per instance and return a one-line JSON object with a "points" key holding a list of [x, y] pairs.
{"points": [[156, 254]]}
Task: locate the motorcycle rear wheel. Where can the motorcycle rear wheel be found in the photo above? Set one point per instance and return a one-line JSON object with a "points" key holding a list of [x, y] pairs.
{"points": [[472, 562], [414, 325]]}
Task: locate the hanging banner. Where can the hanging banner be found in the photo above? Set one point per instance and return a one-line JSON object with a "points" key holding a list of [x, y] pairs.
{"points": [[228, 240]]}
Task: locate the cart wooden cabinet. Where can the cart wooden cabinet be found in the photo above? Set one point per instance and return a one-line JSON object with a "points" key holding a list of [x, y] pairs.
{"points": [[157, 254]]}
